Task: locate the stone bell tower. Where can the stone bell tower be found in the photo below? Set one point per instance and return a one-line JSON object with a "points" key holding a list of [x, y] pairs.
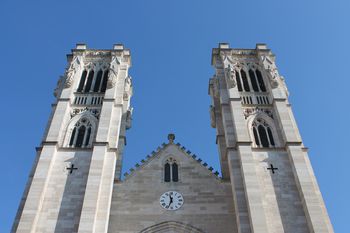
{"points": [[70, 185], [261, 151]]}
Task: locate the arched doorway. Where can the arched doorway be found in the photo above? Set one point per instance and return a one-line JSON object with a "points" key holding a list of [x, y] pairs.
{"points": [[171, 227]]}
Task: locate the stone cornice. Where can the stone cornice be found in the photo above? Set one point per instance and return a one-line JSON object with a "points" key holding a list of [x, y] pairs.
{"points": [[118, 50]]}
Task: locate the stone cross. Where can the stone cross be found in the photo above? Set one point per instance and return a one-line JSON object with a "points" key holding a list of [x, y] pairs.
{"points": [[272, 168], [71, 168]]}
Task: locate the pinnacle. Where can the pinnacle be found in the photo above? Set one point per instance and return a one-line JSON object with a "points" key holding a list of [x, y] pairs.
{"points": [[171, 138]]}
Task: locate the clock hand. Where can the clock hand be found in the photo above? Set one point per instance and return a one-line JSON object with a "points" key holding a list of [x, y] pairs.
{"points": [[171, 200]]}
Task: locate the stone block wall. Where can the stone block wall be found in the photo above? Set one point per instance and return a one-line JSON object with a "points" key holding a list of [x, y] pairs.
{"points": [[208, 204], [64, 195]]}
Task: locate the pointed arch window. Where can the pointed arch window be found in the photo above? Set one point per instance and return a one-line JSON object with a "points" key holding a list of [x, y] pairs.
{"points": [[256, 136], [93, 82], [81, 134], [82, 81], [260, 81], [263, 136], [175, 172], [269, 132], [104, 81], [89, 81], [71, 141], [253, 80], [245, 81], [97, 86], [171, 170], [238, 79], [262, 132], [167, 172]]}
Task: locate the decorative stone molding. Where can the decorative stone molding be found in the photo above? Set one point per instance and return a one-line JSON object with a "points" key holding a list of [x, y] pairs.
{"points": [[238, 52], [252, 111], [90, 66], [97, 53], [171, 226], [95, 112]]}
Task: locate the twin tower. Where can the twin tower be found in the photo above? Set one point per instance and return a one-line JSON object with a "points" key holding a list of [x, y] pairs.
{"points": [[267, 183]]}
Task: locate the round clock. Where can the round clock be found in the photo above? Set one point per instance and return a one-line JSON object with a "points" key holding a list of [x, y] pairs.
{"points": [[171, 200]]}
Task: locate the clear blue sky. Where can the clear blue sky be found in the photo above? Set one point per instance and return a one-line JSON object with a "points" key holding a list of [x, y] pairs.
{"points": [[171, 45]]}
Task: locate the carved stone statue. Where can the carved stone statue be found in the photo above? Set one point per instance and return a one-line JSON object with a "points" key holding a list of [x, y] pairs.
{"points": [[230, 72], [113, 72], [127, 88], [214, 86], [129, 118], [231, 76], [212, 116], [271, 69], [73, 68], [112, 78]]}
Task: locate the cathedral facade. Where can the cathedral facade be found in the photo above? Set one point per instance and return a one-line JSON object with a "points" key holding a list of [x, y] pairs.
{"points": [[266, 185]]}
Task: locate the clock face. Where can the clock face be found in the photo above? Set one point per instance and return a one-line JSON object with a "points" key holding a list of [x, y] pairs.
{"points": [[171, 200]]}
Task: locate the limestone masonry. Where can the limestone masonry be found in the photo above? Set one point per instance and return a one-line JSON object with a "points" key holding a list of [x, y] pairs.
{"points": [[266, 185]]}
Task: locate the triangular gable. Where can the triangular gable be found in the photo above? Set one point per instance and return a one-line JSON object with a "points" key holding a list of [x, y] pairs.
{"points": [[158, 152]]}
